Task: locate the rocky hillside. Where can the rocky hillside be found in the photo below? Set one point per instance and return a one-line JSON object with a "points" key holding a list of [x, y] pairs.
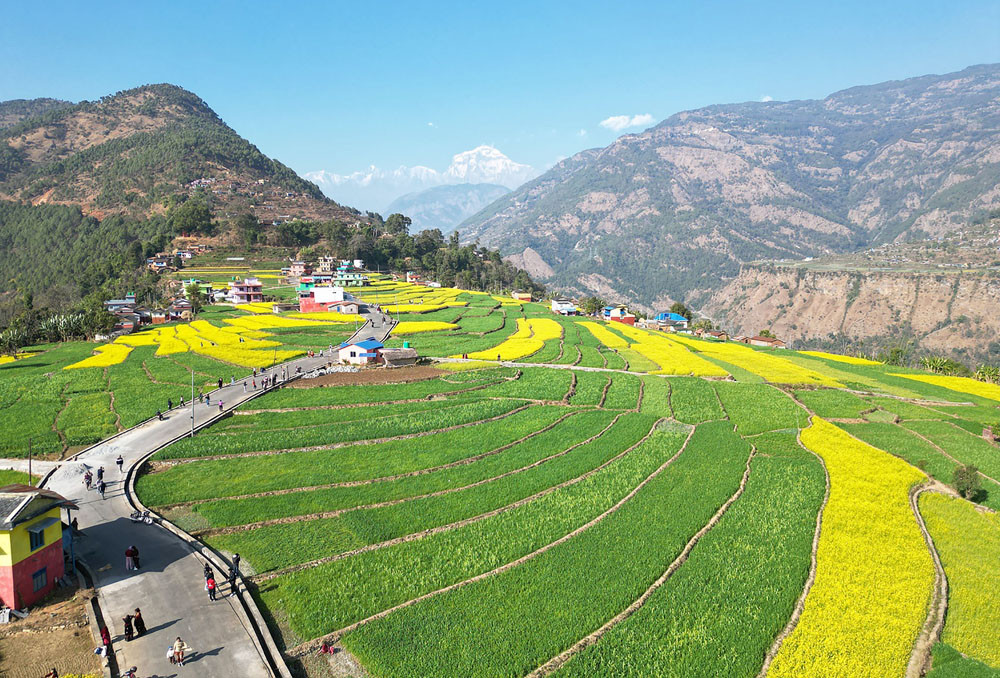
{"points": [[671, 213], [947, 313], [445, 207], [132, 151]]}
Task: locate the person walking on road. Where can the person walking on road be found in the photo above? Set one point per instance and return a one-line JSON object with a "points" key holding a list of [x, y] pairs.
{"points": [[139, 622], [220, 406], [209, 573], [88, 478], [244, 386], [100, 473], [170, 404], [220, 382], [232, 582], [129, 632], [236, 563], [182, 402], [121, 464], [180, 647], [210, 587], [232, 380], [101, 487]]}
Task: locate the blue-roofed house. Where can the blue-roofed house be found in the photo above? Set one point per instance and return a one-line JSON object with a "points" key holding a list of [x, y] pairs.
{"points": [[361, 352], [671, 321]]}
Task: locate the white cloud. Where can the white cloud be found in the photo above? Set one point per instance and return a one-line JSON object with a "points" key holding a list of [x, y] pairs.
{"points": [[374, 188], [582, 133], [430, 124], [616, 123], [767, 97]]}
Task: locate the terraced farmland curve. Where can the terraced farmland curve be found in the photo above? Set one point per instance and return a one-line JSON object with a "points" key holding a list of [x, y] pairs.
{"points": [[543, 518]]}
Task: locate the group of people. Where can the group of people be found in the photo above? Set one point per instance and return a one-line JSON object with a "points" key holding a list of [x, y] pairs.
{"points": [[134, 625], [211, 585], [132, 558], [98, 484]]}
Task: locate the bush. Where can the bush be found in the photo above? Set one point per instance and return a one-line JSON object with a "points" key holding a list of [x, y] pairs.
{"points": [[966, 481]]}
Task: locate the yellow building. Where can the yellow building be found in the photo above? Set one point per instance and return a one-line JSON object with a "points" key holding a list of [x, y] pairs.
{"points": [[31, 543]]}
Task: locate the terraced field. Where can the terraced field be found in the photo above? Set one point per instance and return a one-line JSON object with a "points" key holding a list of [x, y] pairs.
{"points": [[713, 515], [579, 498]]}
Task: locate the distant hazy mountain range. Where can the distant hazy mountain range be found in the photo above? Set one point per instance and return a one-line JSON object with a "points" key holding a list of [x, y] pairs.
{"points": [[374, 188], [445, 207], [672, 212]]}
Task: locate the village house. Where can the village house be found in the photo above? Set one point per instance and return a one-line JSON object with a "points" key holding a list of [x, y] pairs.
{"points": [[246, 291], [363, 352], [521, 296], [350, 279], [31, 543], [160, 263], [564, 306], [326, 265], [766, 342], [297, 269], [180, 309], [718, 335], [318, 298], [619, 314], [672, 321], [114, 305]]}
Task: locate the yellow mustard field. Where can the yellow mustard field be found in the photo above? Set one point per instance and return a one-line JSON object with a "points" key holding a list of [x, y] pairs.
{"points": [[107, 355], [961, 384], [669, 355], [968, 542], [414, 327], [256, 307], [603, 334], [4, 359], [529, 338], [241, 343], [874, 575], [773, 368], [328, 317], [850, 360]]}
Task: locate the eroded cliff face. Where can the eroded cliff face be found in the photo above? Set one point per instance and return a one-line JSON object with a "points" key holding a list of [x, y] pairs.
{"points": [[953, 313]]}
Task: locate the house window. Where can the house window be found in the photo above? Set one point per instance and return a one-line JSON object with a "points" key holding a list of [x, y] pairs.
{"points": [[37, 539], [354, 354], [40, 579]]}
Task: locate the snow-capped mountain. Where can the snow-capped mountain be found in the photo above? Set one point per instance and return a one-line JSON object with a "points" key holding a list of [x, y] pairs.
{"points": [[374, 188], [445, 207]]}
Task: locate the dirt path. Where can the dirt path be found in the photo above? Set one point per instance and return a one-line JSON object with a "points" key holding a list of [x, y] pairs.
{"points": [[572, 389], [461, 523], [604, 393], [920, 657], [372, 481], [556, 662], [801, 602], [311, 645]]}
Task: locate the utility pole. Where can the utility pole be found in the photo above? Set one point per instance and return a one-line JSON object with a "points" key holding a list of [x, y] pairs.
{"points": [[29, 462], [192, 402]]}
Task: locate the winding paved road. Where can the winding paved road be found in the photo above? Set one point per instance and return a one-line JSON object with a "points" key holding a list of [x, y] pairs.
{"points": [[170, 586]]}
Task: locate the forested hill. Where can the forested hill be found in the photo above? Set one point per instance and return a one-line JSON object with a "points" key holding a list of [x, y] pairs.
{"points": [[672, 212], [16, 110], [135, 151]]}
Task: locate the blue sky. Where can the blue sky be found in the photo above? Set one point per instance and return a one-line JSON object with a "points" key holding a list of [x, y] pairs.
{"points": [[341, 86]]}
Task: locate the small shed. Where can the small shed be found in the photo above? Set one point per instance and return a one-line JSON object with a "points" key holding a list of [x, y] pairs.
{"points": [[398, 357]]}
